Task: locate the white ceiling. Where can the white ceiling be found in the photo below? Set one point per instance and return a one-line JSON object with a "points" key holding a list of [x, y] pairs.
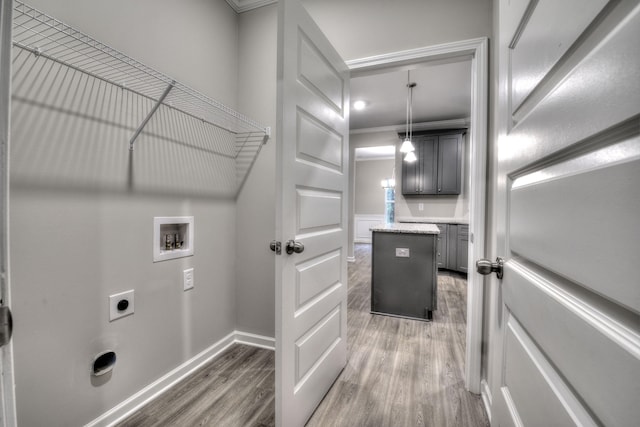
{"points": [[443, 92]]}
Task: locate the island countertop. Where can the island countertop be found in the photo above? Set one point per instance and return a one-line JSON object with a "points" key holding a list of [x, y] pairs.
{"points": [[406, 228]]}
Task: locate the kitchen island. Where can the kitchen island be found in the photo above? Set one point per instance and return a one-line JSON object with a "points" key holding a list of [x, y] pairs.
{"points": [[404, 270]]}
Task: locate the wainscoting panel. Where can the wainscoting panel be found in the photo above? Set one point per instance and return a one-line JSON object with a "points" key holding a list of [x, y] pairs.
{"points": [[362, 223]]}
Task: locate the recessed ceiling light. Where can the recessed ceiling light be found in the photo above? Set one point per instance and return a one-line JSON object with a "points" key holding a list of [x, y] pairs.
{"points": [[359, 105]]}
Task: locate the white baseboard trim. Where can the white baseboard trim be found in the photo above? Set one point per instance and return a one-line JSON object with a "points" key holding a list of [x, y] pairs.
{"points": [[155, 389], [351, 259], [255, 340], [487, 399], [362, 241]]}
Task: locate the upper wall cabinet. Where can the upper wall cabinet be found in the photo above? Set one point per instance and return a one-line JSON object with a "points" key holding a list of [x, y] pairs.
{"points": [[438, 170]]}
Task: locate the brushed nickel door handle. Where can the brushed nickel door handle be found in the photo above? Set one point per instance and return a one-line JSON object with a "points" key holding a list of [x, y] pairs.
{"points": [[484, 267], [293, 246]]}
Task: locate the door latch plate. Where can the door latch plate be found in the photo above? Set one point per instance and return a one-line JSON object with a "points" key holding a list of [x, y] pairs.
{"points": [[6, 325], [276, 247]]}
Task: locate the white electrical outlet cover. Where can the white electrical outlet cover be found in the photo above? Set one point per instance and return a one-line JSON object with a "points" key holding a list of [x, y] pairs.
{"points": [[188, 279], [114, 312], [402, 252]]}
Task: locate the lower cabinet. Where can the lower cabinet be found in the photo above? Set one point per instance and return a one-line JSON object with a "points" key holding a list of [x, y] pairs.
{"points": [[403, 274], [452, 249], [441, 254], [462, 252]]}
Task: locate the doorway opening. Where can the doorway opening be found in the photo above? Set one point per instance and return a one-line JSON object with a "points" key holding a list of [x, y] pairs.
{"points": [[477, 51]]}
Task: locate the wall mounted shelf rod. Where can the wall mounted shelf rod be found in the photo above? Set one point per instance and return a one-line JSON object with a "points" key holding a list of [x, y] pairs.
{"points": [[151, 113]]}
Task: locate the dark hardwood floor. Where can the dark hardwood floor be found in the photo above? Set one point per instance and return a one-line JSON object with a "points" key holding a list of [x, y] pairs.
{"points": [[400, 372]]}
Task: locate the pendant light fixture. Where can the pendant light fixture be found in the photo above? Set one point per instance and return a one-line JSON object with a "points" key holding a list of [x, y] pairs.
{"points": [[410, 157], [407, 145]]}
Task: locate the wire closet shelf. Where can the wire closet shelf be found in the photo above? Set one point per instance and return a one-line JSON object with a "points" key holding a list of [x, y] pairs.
{"points": [[46, 37]]}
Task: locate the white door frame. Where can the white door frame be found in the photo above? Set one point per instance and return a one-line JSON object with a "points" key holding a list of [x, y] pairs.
{"points": [[478, 49], [7, 394]]}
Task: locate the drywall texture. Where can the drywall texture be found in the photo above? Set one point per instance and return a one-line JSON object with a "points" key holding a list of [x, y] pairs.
{"points": [[368, 194], [256, 220], [82, 209]]}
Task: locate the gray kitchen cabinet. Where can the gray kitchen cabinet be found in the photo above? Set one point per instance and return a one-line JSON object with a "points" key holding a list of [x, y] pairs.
{"points": [[438, 168], [421, 176], [403, 271], [449, 164], [452, 246], [462, 258], [441, 248]]}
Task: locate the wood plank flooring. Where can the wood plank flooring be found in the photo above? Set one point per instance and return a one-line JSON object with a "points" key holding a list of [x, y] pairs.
{"points": [[235, 389], [400, 372]]}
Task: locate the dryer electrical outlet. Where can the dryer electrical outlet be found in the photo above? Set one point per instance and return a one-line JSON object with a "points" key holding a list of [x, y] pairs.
{"points": [[121, 305]]}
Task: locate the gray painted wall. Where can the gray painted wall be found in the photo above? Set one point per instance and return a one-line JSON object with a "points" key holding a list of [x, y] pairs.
{"points": [[368, 194], [255, 273], [79, 233]]}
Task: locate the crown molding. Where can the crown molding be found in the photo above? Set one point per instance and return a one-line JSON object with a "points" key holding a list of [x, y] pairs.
{"points": [[245, 5], [441, 124], [442, 51]]}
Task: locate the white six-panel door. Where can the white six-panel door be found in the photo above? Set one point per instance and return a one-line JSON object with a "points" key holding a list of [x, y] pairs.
{"points": [[568, 212], [312, 156]]}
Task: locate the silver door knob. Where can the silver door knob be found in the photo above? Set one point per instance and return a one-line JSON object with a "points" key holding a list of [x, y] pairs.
{"points": [[484, 267], [293, 246]]}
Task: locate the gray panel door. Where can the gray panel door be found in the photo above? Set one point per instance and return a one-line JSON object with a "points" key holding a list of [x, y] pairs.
{"points": [[567, 215]]}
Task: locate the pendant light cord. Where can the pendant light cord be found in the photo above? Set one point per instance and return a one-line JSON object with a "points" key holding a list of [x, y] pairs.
{"points": [[406, 130], [408, 133], [407, 146]]}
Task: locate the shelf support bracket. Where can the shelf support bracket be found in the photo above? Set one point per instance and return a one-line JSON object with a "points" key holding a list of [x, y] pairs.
{"points": [[151, 113]]}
